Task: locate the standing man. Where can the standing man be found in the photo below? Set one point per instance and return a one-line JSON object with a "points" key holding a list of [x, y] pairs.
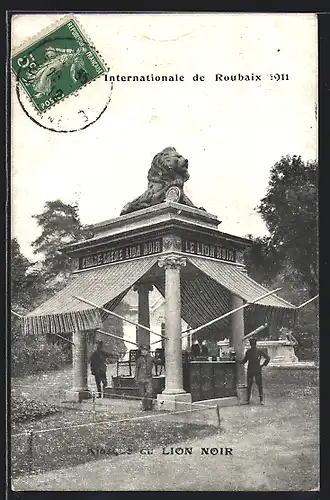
{"points": [[99, 367], [199, 349], [253, 357], [143, 376], [213, 348]]}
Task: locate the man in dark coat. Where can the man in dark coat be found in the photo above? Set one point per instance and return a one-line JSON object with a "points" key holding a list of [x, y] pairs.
{"points": [[253, 357], [143, 376], [213, 348], [99, 367], [199, 349]]}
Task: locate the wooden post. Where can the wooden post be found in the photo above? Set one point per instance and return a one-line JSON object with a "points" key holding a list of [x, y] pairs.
{"points": [[218, 415], [30, 435]]}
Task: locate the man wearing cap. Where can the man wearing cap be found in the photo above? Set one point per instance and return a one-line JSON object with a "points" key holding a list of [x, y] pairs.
{"points": [[99, 367], [143, 376], [253, 357]]}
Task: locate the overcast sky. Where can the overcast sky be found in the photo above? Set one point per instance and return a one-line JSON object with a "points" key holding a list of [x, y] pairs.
{"points": [[231, 132]]}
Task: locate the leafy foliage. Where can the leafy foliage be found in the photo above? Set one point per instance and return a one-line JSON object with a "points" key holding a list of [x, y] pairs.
{"points": [[60, 225], [287, 257], [30, 354], [23, 409], [262, 260], [26, 281], [289, 210]]}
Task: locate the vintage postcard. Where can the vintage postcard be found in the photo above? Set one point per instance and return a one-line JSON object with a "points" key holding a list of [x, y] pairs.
{"points": [[164, 278]]}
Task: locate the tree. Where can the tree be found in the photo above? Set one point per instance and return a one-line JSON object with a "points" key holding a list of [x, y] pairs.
{"points": [[263, 262], [289, 210], [26, 281], [287, 257], [33, 283], [60, 225], [29, 353]]}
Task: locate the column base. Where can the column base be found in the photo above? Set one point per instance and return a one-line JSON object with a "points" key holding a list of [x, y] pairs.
{"points": [[77, 396], [171, 402], [168, 392]]}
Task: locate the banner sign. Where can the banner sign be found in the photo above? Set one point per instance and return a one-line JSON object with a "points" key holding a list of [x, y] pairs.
{"points": [[118, 254], [207, 250]]}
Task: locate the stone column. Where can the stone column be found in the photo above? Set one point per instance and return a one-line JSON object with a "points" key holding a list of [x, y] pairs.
{"points": [[142, 335], [173, 397], [237, 336], [79, 390], [162, 331]]}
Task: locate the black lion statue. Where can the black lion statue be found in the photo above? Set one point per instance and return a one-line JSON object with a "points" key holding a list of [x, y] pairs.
{"points": [[168, 169]]}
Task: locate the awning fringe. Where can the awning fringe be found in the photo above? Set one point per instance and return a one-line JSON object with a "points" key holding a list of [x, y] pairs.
{"points": [[105, 286], [62, 322]]}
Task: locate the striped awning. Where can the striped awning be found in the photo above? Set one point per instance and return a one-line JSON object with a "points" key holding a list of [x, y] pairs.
{"points": [[234, 279], [273, 310], [203, 299], [104, 286], [206, 295]]}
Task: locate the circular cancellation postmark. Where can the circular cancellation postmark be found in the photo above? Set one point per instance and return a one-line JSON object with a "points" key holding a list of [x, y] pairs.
{"points": [[57, 78]]}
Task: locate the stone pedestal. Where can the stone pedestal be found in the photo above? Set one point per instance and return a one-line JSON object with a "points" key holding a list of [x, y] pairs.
{"points": [[174, 392], [280, 351], [142, 335], [79, 390], [237, 337]]}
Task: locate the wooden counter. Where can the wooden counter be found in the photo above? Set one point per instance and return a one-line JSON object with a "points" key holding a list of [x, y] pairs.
{"points": [[126, 385], [209, 379], [203, 379]]}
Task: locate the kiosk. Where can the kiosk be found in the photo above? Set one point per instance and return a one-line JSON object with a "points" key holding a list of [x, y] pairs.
{"points": [[163, 240]]}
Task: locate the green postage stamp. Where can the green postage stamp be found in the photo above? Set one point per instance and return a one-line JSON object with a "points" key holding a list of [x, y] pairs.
{"points": [[57, 63]]}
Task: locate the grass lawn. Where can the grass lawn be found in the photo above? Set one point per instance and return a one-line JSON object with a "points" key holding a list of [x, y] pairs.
{"points": [[73, 446], [280, 438]]}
